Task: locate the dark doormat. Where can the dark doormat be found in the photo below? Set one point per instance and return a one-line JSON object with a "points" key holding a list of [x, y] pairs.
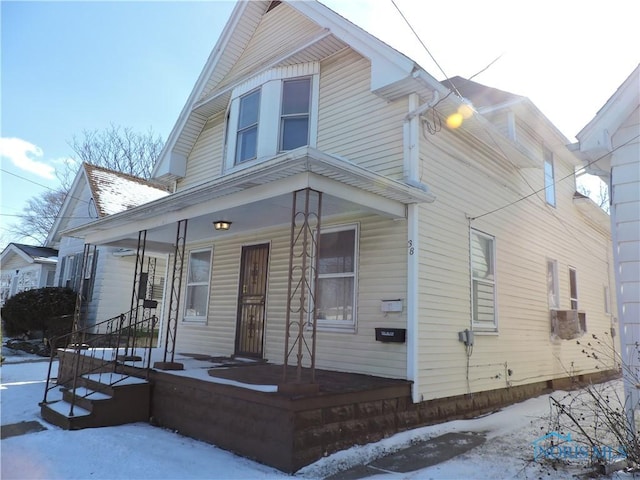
{"points": [[415, 457], [20, 428]]}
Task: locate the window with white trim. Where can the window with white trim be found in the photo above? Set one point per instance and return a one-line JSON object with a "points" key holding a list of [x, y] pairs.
{"points": [[337, 277], [247, 132], [573, 288], [549, 178], [294, 116], [483, 281], [272, 113], [552, 284], [197, 291]]}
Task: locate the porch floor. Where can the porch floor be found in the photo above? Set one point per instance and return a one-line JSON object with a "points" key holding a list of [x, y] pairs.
{"points": [[328, 381], [259, 375]]}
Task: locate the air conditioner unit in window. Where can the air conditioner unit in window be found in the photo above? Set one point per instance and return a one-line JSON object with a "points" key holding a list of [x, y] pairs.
{"points": [[568, 324]]}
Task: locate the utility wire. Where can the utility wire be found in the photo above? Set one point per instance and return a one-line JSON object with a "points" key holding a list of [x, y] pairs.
{"points": [[43, 186], [426, 49], [571, 175], [27, 180]]}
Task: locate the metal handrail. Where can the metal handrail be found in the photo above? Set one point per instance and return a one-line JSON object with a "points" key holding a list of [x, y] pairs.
{"points": [[97, 352]]}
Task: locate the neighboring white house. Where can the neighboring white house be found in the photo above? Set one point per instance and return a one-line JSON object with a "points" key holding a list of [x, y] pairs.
{"points": [[610, 146], [96, 193], [318, 182], [25, 267]]}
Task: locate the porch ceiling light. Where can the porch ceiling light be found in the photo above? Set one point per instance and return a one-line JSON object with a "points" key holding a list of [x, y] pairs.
{"points": [[221, 225]]}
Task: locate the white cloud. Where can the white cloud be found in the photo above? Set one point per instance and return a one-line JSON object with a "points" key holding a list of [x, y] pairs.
{"points": [[26, 156]]}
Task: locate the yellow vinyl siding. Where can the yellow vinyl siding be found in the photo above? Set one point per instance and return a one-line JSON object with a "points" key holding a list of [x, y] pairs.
{"points": [[205, 160], [382, 275], [280, 31], [353, 122], [526, 234]]}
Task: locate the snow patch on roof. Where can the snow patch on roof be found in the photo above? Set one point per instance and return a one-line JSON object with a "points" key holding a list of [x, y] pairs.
{"points": [[115, 192]]}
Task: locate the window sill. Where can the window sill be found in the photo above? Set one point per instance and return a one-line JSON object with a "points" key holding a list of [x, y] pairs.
{"points": [[336, 328], [486, 333], [201, 320]]}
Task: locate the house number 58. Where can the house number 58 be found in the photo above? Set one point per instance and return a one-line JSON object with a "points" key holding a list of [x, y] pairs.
{"points": [[411, 247]]}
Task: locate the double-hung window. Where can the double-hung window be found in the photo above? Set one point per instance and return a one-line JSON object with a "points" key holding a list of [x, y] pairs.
{"points": [[552, 284], [247, 134], [271, 113], [337, 277], [573, 288], [198, 276], [294, 118], [483, 281], [549, 178]]}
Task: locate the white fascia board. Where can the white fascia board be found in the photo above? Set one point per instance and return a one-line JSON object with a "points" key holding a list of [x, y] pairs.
{"points": [[612, 114], [16, 251], [387, 65], [207, 71], [380, 205], [74, 194]]}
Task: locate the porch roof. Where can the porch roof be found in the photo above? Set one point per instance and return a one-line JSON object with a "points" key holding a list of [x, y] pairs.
{"points": [[257, 196]]}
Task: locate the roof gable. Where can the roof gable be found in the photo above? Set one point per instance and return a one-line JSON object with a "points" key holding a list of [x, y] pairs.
{"points": [[320, 32], [480, 95], [596, 135], [115, 192], [111, 192], [29, 253]]}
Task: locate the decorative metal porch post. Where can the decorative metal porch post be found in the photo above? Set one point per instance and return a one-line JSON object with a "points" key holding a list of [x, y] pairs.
{"points": [[137, 292], [78, 320], [168, 362], [302, 288]]}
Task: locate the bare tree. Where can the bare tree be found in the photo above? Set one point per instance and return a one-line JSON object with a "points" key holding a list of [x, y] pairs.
{"points": [[601, 197], [116, 148], [39, 215]]}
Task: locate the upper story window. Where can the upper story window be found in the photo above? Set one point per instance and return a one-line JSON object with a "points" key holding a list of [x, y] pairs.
{"points": [[549, 178], [247, 136], [294, 120], [272, 113]]}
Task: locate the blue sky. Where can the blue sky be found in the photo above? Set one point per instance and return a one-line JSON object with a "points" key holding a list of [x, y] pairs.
{"points": [[73, 66]]}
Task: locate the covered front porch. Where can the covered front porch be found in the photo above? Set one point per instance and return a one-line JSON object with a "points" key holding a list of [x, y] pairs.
{"points": [[260, 290]]}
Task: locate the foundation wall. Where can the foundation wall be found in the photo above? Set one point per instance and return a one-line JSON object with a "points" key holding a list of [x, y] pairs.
{"points": [[289, 432]]}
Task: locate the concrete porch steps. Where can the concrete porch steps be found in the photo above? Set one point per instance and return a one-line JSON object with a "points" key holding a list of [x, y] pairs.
{"points": [[101, 400]]}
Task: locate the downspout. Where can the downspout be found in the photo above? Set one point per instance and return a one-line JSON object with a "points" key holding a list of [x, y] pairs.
{"points": [[411, 130]]}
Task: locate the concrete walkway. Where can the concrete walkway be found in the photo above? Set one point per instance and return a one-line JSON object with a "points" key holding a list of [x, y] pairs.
{"points": [[415, 457], [20, 428]]}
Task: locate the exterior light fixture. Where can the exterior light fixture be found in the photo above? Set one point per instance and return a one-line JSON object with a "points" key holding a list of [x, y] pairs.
{"points": [[221, 225]]}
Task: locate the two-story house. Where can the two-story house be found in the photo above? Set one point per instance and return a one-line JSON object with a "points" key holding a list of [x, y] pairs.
{"points": [[335, 207]]}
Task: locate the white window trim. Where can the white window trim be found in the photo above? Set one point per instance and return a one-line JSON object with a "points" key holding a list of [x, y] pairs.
{"points": [[337, 325], [477, 326], [556, 283], [199, 318], [573, 299], [548, 159], [270, 82]]}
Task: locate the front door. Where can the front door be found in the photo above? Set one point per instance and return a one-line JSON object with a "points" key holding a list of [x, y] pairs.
{"points": [[252, 295]]}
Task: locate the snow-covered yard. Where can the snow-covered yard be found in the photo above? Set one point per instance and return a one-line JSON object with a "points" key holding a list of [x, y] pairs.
{"points": [[140, 451]]}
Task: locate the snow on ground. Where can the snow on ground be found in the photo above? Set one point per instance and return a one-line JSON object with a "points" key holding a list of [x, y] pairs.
{"points": [[140, 451]]}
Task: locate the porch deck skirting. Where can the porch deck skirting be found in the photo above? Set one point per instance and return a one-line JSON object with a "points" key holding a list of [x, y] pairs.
{"points": [[289, 432]]}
